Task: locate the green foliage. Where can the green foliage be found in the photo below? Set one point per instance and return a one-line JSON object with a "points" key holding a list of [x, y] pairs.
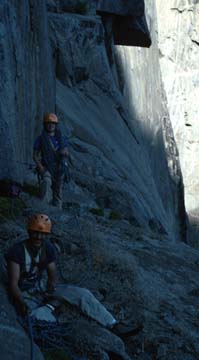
{"points": [[114, 216], [9, 208], [97, 211], [56, 355], [81, 8], [32, 190]]}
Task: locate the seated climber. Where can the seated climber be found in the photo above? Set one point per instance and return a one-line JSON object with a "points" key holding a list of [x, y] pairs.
{"points": [[26, 262], [50, 154]]}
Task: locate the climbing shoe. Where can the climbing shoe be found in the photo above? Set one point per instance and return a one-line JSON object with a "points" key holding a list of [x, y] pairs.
{"points": [[126, 330]]}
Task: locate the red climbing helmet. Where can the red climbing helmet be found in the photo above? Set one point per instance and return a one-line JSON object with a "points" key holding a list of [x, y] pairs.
{"points": [[50, 117], [40, 223]]}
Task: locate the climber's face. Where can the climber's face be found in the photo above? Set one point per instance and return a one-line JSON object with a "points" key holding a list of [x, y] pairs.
{"points": [[50, 127], [37, 238]]}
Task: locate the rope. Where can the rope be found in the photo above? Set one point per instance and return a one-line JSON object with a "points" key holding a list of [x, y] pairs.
{"points": [[48, 336], [31, 337]]}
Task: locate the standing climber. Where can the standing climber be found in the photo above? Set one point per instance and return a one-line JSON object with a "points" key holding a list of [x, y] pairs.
{"points": [[50, 155]]}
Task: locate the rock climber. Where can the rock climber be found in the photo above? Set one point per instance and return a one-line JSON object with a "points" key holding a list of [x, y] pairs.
{"points": [[50, 154], [25, 263]]}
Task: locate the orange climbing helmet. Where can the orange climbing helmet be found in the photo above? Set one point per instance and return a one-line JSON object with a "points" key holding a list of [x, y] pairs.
{"points": [[50, 117], [40, 223]]}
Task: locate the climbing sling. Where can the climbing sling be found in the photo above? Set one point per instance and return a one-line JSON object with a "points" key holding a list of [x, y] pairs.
{"points": [[31, 268], [50, 155]]}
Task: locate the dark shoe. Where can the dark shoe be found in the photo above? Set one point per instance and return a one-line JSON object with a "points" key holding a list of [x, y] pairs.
{"points": [[125, 330]]}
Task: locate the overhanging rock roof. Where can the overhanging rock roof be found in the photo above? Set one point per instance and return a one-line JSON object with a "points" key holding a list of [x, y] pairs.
{"points": [[131, 31], [122, 7], [129, 22]]}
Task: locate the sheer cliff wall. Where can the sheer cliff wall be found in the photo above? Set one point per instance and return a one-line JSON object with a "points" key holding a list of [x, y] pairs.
{"points": [[144, 94], [27, 81], [121, 139], [179, 55]]}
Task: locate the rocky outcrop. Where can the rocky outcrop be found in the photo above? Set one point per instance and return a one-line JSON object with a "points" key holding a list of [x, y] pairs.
{"points": [[179, 54], [127, 21], [124, 22]]}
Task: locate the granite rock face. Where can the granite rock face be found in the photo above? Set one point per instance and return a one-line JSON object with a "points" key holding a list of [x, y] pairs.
{"points": [[118, 7], [124, 22], [111, 104], [127, 20], [122, 7], [152, 116], [179, 56], [133, 105], [27, 85]]}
